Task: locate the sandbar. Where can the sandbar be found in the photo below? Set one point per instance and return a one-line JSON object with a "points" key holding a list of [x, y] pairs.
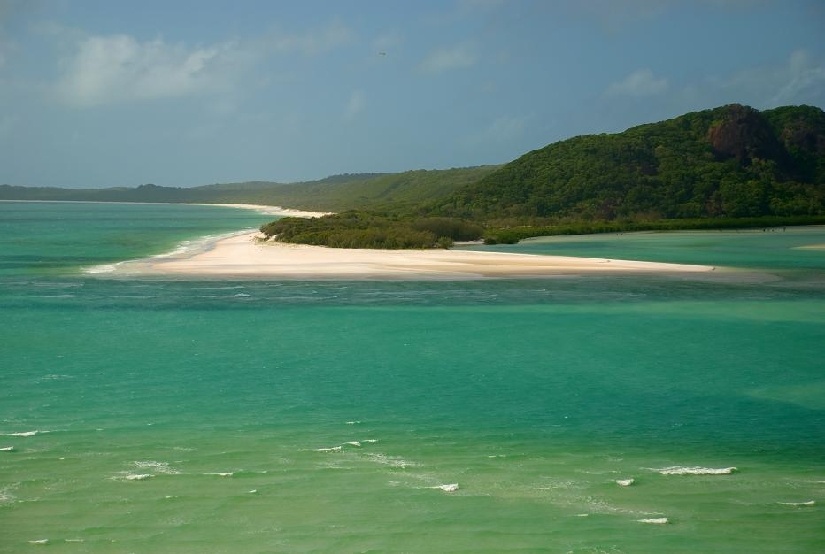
{"points": [[245, 255]]}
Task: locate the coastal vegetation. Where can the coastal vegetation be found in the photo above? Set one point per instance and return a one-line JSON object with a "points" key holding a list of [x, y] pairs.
{"points": [[354, 229], [732, 166], [725, 163]]}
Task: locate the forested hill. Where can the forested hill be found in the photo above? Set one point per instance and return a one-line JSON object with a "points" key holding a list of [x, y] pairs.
{"points": [[728, 162], [336, 193]]}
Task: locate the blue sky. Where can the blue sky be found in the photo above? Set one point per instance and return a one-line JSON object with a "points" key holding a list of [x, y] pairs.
{"points": [[100, 93]]}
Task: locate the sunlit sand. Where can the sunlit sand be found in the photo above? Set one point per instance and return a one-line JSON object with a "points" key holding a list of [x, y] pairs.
{"points": [[247, 256]]}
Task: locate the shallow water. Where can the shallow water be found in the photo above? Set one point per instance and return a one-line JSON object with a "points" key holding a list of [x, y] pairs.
{"points": [[255, 416]]}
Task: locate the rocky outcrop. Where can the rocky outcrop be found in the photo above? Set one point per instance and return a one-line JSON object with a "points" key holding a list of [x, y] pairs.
{"points": [[743, 133]]}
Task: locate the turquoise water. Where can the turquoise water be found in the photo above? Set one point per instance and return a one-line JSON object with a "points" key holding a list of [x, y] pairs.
{"points": [[781, 248], [283, 416]]}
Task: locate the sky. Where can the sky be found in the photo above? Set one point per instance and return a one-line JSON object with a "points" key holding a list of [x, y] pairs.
{"points": [[105, 93]]}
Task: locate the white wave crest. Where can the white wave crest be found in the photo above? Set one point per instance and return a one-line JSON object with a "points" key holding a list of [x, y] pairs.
{"points": [[55, 377], [625, 482], [391, 461], [331, 449], [654, 520], [157, 467], [137, 476], [7, 449], [25, 434], [695, 470], [799, 504], [450, 487], [39, 541], [221, 474], [6, 497]]}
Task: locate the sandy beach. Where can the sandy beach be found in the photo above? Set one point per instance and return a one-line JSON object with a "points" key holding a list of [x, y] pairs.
{"points": [[271, 210], [246, 256]]}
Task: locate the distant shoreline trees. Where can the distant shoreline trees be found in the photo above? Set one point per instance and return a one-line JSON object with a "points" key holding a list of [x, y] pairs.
{"points": [[354, 229]]}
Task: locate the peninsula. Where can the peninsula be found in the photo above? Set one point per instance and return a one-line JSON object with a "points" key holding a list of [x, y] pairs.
{"points": [[247, 256]]}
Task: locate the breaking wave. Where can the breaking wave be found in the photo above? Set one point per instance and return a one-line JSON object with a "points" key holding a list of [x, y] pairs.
{"points": [[694, 470]]}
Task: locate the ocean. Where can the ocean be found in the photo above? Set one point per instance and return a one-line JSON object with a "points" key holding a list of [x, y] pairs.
{"points": [[589, 414]]}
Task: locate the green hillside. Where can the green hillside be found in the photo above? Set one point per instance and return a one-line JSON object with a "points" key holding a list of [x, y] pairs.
{"points": [[728, 162], [731, 166], [336, 193]]}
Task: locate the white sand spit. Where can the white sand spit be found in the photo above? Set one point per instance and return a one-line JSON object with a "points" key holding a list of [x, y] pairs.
{"points": [[272, 210], [246, 256]]}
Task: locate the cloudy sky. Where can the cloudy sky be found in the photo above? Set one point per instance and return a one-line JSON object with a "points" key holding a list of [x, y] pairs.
{"points": [[99, 93]]}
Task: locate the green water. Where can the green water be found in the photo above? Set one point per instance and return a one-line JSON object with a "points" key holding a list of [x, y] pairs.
{"points": [[284, 416], [780, 248]]}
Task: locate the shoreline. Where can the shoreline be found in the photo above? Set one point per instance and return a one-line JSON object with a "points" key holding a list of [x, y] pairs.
{"points": [[242, 255], [260, 208], [271, 210]]}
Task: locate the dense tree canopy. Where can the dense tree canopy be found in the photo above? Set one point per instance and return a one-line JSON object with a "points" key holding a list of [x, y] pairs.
{"points": [[355, 229], [728, 162]]}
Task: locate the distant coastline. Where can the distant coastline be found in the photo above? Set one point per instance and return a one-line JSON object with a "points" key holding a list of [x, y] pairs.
{"points": [[260, 208]]}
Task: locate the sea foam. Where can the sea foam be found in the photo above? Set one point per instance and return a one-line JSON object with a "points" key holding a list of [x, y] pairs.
{"points": [[694, 470], [654, 520], [6, 497], [157, 467], [391, 461], [450, 487], [137, 476], [25, 434]]}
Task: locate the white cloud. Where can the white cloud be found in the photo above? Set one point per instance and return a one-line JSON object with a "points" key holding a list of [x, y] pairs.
{"points": [[118, 68], [800, 80], [641, 82], [802, 77], [357, 103], [446, 59]]}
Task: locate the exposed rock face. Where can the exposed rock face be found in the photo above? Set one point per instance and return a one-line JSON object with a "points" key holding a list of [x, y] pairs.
{"points": [[743, 134]]}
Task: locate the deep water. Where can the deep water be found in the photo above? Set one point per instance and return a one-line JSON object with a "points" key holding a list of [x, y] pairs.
{"points": [[297, 416]]}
